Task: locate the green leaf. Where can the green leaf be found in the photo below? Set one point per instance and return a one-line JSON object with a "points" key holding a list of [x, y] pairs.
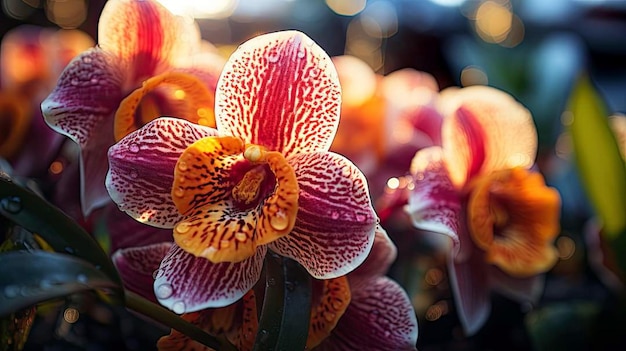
{"points": [[31, 277], [285, 315], [598, 158], [31, 212]]}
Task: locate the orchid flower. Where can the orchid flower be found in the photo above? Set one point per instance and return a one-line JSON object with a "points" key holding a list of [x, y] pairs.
{"points": [[361, 311], [30, 57], [262, 180], [145, 65], [477, 189]]}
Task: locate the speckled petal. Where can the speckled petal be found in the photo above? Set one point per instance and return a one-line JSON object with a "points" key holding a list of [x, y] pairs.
{"points": [[137, 264], [434, 203], [379, 260], [280, 90], [186, 283], [331, 298], [142, 169], [380, 317], [145, 37], [336, 222], [81, 106]]}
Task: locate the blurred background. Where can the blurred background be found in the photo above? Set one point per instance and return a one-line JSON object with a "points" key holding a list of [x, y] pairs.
{"points": [[532, 49]]}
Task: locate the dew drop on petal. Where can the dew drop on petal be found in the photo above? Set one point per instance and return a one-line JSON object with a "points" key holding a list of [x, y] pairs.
{"points": [[224, 243], [74, 82], [182, 227], [133, 174], [179, 307], [279, 221], [334, 215], [179, 192], [241, 236], [329, 316], [94, 80], [346, 171], [301, 53], [87, 59], [182, 166], [133, 147], [81, 278], [164, 291], [273, 57], [360, 217], [12, 204]]}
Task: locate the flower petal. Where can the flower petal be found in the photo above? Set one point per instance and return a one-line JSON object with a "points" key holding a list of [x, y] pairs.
{"points": [[380, 258], [519, 289], [119, 225], [434, 203], [484, 130], [330, 299], [471, 288], [379, 317], [145, 37], [142, 169], [281, 91], [186, 283], [137, 264], [185, 96], [81, 107], [336, 222]]}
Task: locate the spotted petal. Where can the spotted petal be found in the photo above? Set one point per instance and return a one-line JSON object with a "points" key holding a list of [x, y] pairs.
{"points": [[145, 37], [380, 258], [280, 90], [336, 222], [142, 169], [434, 203], [380, 317], [137, 264], [186, 283], [485, 129], [81, 107]]}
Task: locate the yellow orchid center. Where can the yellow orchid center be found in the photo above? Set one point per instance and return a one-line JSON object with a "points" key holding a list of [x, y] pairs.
{"points": [[234, 197], [514, 217], [169, 94]]}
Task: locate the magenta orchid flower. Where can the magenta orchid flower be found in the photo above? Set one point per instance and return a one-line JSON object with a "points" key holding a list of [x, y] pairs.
{"points": [[264, 179], [478, 190], [144, 66]]}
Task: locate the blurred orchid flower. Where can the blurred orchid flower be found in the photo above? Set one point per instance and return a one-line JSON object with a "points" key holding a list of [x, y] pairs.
{"points": [[477, 189], [147, 63], [262, 180], [30, 58], [361, 311]]}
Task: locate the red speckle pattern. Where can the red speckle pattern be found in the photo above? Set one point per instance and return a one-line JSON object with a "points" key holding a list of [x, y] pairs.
{"points": [[142, 169], [336, 222], [280, 91]]}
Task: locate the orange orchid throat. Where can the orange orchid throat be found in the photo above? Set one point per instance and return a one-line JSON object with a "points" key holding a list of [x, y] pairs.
{"points": [[514, 217], [233, 197]]}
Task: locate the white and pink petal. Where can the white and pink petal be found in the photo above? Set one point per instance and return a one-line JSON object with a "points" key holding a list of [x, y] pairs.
{"points": [[186, 283], [280, 90], [136, 266], [336, 223], [141, 170], [380, 258]]}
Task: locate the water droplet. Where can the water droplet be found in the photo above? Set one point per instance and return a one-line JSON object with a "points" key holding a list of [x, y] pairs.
{"points": [[179, 192], [271, 282], [224, 243], [179, 307], [182, 227], [182, 165], [87, 59], [329, 316], [279, 221], [70, 250], [272, 57], [81, 278], [94, 80], [133, 174], [157, 274], [164, 291], [133, 147], [314, 72], [74, 82], [11, 291], [334, 215], [241, 236], [346, 171], [308, 42], [360, 217], [12, 204], [387, 333], [301, 53]]}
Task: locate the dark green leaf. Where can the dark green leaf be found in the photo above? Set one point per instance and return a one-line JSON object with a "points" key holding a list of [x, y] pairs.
{"points": [[35, 214], [285, 315], [27, 278]]}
